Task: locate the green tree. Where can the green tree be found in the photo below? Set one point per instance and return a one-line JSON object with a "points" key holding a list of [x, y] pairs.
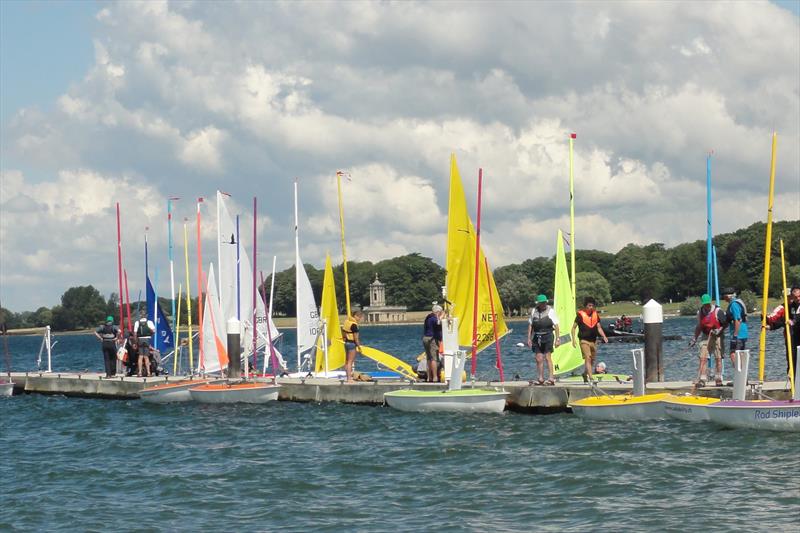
{"points": [[592, 284], [541, 272], [515, 289], [81, 307], [42, 317]]}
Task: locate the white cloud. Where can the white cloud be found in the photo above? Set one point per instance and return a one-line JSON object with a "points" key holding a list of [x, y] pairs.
{"points": [[190, 97]]}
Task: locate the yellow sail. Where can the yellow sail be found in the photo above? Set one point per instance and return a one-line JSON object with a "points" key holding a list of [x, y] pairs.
{"points": [[461, 240], [329, 312]]}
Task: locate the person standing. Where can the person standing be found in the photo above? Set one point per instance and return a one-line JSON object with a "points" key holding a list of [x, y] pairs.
{"points": [[710, 322], [431, 340], [109, 334], [352, 342], [543, 336], [588, 325], [776, 320], [143, 331], [737, 318]]}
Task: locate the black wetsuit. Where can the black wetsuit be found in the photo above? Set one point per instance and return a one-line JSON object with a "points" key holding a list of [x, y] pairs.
{"points": [[109, 334]]}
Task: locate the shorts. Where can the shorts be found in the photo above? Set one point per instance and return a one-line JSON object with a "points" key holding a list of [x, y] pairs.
{"points": [[738, 344], [543, 343], [349, 346], [431, 346], [144, 346], [588, 350], [713, 345]]}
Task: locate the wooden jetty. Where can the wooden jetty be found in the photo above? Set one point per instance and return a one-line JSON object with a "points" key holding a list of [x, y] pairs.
{"points": [[523, 397]]}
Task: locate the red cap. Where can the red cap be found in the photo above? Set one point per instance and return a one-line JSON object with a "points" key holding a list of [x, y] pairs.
{"points": [[573, 135]]}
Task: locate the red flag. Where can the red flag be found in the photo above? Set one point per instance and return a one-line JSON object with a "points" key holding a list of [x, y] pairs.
{"points": [[573, 135]]}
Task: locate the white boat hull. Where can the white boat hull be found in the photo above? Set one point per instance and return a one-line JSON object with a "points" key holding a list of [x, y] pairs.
{"points": [[440, 402], [260, 394], [767, 416], [6, 389], [688, 408], [178, 392]]}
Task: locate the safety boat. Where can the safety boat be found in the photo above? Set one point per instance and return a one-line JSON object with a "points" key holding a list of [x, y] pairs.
{"points": [[690, 408], [228, 392], [177, 391]]}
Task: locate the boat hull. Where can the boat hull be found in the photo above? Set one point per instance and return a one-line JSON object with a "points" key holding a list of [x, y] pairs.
{"points": [[764, 415], [623, 407], [688, 408], [6, 389], [235, 393], [461, 401], [170, 392]]}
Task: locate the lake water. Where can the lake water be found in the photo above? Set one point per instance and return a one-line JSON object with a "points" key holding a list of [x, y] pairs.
{"points": [[95, 465]]}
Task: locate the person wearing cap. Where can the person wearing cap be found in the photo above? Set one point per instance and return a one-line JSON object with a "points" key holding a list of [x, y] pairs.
{"points": [[109, 334], [736, 315], [431, 340], [543, 336], [710, 322], [588, 326]]}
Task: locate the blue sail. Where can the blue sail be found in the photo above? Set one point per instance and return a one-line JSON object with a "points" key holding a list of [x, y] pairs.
{"points": [[164, 341]]}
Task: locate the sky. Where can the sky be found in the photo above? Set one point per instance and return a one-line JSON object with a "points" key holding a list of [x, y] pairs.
{"points": [[136, 102]]}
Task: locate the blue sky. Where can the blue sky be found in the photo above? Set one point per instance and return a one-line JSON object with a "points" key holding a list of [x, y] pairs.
{"points": [[103, 102]]}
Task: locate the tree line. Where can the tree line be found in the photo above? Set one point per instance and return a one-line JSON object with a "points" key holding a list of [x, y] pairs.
{"points": [[636, 272]]}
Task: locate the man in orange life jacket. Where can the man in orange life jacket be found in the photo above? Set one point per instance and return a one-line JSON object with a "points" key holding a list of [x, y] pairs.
{"points": [[588, 325], [711, 322]]}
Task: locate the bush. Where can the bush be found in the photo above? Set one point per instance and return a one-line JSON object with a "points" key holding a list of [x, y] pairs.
{"points": [[750, 300], [690, 306]]}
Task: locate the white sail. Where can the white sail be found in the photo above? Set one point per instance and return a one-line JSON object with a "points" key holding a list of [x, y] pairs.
{"points": [[215, 356], [307, 311]]}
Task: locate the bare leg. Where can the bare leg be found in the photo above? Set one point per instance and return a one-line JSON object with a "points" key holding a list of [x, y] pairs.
{"points": [[432, 371], [549, 357], [540, 366], [348, 366]]}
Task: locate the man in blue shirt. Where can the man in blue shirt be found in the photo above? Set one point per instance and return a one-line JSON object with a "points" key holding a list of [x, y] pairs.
{"points": [[737, 318]]}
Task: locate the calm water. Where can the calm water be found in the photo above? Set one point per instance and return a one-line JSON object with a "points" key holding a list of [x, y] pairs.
{"points": [[68, 464]]}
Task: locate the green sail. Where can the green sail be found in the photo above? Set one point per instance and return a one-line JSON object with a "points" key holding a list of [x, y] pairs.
{"points": [[566, 357]]}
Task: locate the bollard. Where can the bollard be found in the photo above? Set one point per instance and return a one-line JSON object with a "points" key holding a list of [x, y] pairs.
{"points": [[459, 358], [638, 372], [450, 342], [653, 318], [740, 374], [234, 349]]}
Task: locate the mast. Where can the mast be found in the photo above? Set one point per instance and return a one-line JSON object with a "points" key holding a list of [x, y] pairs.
{"points": [[127, 300], [119, 269], [477, 279], [272, 358], [176, 354], [297, 267], [219, 252], [762, 344], [238, 275], [199, 292], [254, 318], [171, 261], [716, 276], [709, 251], [572, 137], [189, 295], [344, 250], [494, 323]]}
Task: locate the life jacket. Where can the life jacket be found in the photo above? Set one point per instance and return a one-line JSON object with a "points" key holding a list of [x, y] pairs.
{"points": [[108, 333], [589, 321], [143, 329], [541, 323], [347, 329], [729, 313], [710, 320]]}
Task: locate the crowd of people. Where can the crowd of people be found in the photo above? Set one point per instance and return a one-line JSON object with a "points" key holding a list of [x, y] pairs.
{"points": [[132, 350]]}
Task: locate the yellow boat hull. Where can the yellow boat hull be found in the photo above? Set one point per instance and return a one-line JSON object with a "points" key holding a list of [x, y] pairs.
{"points": [[621, 407]]}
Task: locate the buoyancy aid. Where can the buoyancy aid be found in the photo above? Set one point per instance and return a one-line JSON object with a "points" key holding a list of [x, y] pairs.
{"points": [[143, 329], [541, 322], [587, 325], [108, 332], [729, 313], [347, 329], [710, 321], [590, 321]]}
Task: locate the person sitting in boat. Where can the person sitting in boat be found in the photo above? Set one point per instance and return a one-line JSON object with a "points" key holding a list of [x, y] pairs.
{"points": [[351, 342], [711, 323], [143, 331], [431, 340], [588, 326], [601, 368], [543, 336]]}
